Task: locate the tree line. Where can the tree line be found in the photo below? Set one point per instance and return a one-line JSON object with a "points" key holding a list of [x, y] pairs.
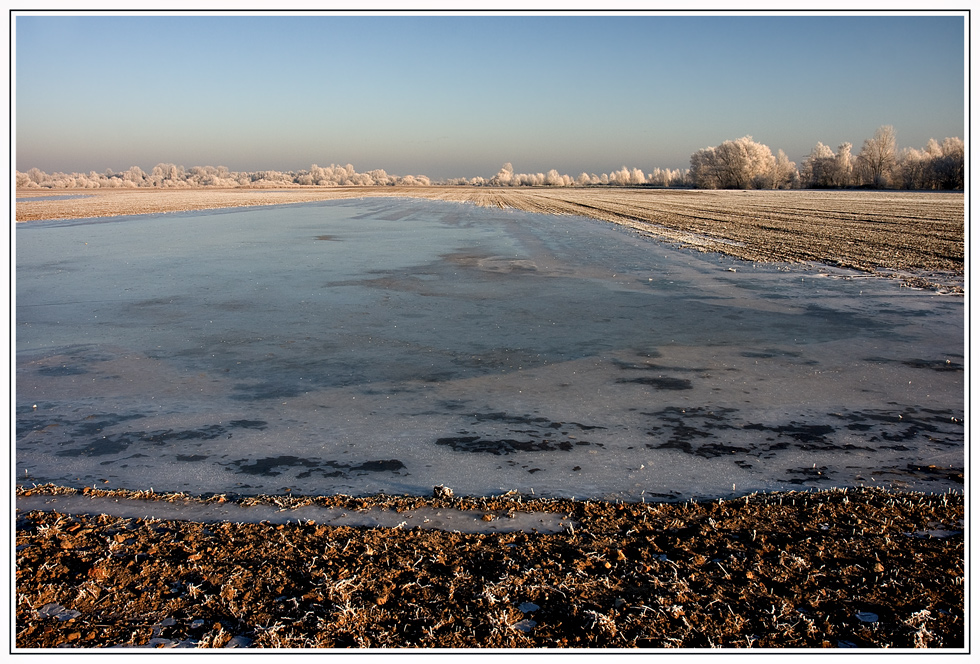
{"points": [[735, 164], [745, 164], [173, 176]]}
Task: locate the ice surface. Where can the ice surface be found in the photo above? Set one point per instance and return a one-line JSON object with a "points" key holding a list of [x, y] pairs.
{"points": [[59, 197], [391, 345], [426, 518]]}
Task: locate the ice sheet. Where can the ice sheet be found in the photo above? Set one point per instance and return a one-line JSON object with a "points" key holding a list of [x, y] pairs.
{"points": [[391, 345]]}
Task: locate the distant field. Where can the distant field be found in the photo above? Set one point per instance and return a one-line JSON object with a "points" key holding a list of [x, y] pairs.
{"points": [[863, 230]]}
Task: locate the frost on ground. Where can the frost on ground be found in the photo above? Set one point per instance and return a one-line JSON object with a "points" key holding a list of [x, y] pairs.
{"points": [[830, 569]]}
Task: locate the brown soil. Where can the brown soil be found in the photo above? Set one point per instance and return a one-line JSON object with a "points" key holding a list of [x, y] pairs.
{"points": [[871, 231], [832, 569]]}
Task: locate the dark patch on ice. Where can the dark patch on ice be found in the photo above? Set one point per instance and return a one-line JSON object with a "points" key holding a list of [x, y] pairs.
{"points": [[116, 443], [660, 382], [712, 450], [438, 377], [63, 370], [249, 424], [769, 353], [520, 433], [937, 426], [648, 366], [379, 466], [26, 426], [119, 442], [542, 422], [29, 420], [684, 427], [101, 447], [681, 440], [859, 427], [480, 445], [94, 424], [808, 475], [933, 473], [269, 390], [191, 457], [943, 365], [839, 320], [270, 466], [696, 431], [935, 365], [805, 433]]}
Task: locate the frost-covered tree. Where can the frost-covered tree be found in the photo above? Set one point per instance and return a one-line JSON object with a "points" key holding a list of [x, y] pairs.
{"points": [[824, 169], [785, 175], [843, 166], [666, 177], [914, 169], [934, 167], [949, 167], [738, 164], [553, 178], [504, 176], [134, 177], [168, 175], [817, 166], [877, 158]]}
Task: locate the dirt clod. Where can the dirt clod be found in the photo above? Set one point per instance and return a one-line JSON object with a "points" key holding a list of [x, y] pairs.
{"points": [[780, 570]]}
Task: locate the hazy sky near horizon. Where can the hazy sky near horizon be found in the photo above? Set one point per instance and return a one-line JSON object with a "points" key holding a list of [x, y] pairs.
{"points": [[457, 96]]}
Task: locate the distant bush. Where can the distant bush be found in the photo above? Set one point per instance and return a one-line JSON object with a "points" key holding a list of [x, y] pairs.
{"points": [[741, 164], [506, 177]]}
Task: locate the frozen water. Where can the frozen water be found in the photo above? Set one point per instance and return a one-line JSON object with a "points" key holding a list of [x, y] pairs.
{"points": [[391, 345], [59, 197], [426, 518]]}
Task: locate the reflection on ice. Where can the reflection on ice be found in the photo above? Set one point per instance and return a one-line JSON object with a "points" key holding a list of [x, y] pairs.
{"points": [[386, 345]]}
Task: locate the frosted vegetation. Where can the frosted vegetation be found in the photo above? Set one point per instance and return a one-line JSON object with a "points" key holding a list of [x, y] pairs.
{"points": [[736, 164]]}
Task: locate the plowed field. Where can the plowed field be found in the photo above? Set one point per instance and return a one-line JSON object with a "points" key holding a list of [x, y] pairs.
{"points": [[834, 569]]}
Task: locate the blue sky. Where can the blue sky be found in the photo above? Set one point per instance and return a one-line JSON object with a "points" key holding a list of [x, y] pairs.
{"points": [[457, 96]]}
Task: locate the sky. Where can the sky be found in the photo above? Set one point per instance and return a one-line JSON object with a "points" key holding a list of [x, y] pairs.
{"points": [[459, 95]]}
